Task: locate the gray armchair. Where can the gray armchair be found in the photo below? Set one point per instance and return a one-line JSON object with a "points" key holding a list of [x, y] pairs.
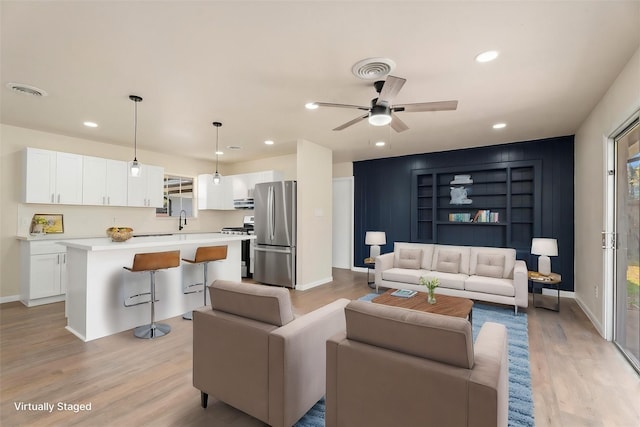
{"points": [[251, 353], [400, 367]]}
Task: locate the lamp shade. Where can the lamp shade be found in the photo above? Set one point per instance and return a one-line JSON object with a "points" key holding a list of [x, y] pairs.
{"points": [[541, 246], [375, 238]]}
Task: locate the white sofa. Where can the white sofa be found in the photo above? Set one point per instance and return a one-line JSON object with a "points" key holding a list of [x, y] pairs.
{"points": [[478, 273]]}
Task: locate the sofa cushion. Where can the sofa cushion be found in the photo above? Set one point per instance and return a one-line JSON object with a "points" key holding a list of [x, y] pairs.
{"points": [[509, 255], [441, 338], [464, 252], [426, 248], [448, 262], [404, 275], [410, 258], [258, 302], [490, 285], [490, 265], [447, 280]]}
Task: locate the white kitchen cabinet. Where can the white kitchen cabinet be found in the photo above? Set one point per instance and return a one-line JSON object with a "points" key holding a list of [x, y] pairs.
{"points": [[52, 177], [104, 182], [212, 196], [147, 188], [44, 272]]}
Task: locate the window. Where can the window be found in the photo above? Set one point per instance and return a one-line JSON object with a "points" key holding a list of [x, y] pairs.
{"points": [[178, 196]]}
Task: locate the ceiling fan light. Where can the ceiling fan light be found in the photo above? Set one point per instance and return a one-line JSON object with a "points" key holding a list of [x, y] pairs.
{"points": [[380, 115], [379, 119]]}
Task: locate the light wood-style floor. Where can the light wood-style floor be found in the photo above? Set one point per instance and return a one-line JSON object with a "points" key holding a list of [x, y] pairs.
{"points": [[578, 378]]}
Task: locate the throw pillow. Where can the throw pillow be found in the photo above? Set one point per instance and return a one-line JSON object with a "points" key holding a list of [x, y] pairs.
{"points": [[410, 258], [490, 265], [448, 262]]}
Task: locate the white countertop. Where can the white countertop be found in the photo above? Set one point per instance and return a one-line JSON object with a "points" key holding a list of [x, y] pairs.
{"points": [[105, 243]]}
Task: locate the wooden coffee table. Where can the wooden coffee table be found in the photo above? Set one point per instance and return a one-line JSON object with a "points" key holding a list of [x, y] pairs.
{"points": [[445, 304]]}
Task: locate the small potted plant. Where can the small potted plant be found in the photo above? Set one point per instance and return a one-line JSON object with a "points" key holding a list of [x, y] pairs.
{"points": [[38, 225], [431, 287]]}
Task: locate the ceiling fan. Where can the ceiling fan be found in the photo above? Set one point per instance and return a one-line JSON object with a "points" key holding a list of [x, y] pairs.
{"points": [[380, 113]]}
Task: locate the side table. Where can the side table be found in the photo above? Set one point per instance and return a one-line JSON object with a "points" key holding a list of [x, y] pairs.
{"points": [[553, 279], [370, 263]]}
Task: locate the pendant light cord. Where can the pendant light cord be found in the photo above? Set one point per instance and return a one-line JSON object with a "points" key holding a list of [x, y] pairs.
{"points": [[135, 132], [217, 139]]}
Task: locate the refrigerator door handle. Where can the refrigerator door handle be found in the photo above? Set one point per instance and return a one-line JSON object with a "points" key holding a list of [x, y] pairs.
{"points": [[272, 213], [280, 251]]}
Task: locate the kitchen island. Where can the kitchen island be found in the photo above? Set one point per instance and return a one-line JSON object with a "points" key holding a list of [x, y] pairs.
{"points": [[98, 284]]}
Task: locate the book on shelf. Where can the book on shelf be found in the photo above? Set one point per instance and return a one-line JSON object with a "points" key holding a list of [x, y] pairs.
{"points": [[403, 293], [485, 215], [459, 217]]}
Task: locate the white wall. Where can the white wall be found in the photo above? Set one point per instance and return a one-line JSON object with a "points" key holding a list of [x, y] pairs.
{"points": [[79, 221], [314, 176], [617, 105]]}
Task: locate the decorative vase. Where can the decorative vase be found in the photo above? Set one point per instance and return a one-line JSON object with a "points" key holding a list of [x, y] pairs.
{"points": [[431, 299]]}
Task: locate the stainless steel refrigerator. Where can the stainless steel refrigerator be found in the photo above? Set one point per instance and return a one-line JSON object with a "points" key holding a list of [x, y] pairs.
{"points": [[275, 230]]}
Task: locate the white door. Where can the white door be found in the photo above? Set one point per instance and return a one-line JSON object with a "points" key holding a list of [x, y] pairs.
{"points": [[116, 185], [40, 176], [44, 275], [94, 173], [68, 179], [342, 223], [155, 186]]}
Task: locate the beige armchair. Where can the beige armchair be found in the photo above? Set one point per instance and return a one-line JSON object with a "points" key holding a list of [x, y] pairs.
{"points": [[250, 352], [400, 367]]}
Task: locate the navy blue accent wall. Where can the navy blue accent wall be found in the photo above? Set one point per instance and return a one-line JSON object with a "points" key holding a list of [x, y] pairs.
{"points": [[383, 194]]}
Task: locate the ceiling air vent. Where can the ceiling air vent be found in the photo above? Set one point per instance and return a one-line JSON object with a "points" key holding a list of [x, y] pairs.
{"points": [[373, 68], [26, 89]]}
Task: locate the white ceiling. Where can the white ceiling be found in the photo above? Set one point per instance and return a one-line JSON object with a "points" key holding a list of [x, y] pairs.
{"points": [[253, 66]]}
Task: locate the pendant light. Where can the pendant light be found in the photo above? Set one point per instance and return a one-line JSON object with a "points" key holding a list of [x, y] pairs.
{"points": [[135, 166], [216, 176]]}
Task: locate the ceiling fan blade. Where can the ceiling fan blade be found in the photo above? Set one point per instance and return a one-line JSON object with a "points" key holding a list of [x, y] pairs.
{"points": [[390, 89], [352, 122], [427, 106], [330, 104], [397, 124]]}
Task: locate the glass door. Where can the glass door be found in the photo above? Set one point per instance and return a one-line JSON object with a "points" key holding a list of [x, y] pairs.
{"points": [[627, 228]]}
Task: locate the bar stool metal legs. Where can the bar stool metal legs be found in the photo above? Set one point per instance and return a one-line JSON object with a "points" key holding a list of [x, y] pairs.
{"points": [[204, 255], [152, 262]]}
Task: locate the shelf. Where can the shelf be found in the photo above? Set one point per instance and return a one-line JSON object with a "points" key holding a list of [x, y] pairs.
{"points": [[471, 223]]}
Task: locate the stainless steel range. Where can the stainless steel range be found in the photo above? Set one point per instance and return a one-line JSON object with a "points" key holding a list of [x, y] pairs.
{"points": [[247, 245]]}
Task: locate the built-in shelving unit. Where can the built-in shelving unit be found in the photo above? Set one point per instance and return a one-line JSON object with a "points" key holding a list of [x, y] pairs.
{"points": [[508, 190]]}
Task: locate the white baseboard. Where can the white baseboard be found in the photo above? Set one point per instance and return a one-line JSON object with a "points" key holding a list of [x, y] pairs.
{"points": [[359, 269], [591, 316], [300, 287], [10, 298]]}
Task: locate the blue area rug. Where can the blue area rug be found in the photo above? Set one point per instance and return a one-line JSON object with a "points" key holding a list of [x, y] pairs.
{"points": [[520, 397]]}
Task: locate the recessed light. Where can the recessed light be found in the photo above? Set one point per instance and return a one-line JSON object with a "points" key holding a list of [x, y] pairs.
{"points": [[487, 56], [268, 142], [310, 105], [90, 124], [500, 126], [380, 144], [219, 153]]}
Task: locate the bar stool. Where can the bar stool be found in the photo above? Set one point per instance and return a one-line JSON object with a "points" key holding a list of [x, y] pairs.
{"points": [[204, 255], [152, 262]]}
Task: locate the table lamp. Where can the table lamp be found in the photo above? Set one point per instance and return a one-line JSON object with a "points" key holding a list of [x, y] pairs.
{"points": [[545, 248], [375, 239]]}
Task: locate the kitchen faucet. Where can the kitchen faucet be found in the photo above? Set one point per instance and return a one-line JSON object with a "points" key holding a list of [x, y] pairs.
{"points": [[180, 225]]}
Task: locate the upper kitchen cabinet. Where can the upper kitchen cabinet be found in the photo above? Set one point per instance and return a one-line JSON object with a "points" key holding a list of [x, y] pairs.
{"points": [[147, 189], [244, 184], [215, 196], [104, 182], [52, 177]]}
